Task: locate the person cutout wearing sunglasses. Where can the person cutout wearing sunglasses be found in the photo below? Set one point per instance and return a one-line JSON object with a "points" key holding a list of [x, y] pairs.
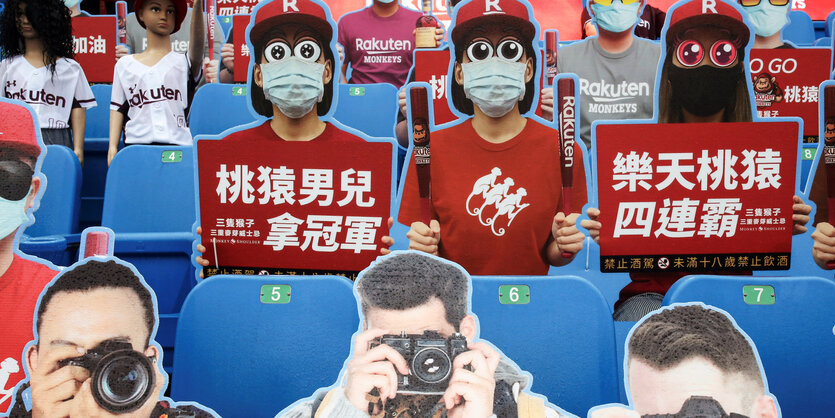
{"points": [[768, 18], [616, 68], [21, 279]]}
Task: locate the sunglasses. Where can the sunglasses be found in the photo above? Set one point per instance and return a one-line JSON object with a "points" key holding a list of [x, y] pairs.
{"points": [[690, 53], [609, 2], [751, 3], [16, 178]]}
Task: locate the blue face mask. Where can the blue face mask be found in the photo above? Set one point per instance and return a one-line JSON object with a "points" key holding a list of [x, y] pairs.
{"points": [[767, 18], [12, 215], [494, 85], [294, 85], [616, 18]]}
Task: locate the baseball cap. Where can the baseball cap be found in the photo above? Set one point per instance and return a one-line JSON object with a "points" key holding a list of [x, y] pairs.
{"points": [[478, 12], [179, 5], [17, 129], [700, 12], [277, 12]]}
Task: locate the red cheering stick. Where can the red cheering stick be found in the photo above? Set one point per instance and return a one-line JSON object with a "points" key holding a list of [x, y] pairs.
{"points": [[566, 108], [211, 11], [96, 244], [121, 21], [420, 136], [829, 152], [550, 64]]}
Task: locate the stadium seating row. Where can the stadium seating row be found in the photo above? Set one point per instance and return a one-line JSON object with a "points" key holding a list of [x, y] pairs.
{"points": [[564, 337]]}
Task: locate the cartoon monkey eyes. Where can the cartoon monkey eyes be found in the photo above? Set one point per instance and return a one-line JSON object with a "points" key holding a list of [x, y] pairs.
{"points": [[479, 51], [690, 53], [277, 51], [510, 50], [723, 53], [307, 50]]}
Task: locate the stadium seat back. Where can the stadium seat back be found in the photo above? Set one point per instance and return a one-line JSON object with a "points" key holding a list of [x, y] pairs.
{"points": [[829, 20], [247, 358], [824, 41], [98, 118], [96, 144], [146, 194], [368, 108], [58, 210], [218, 107], [794, 335], [800, 29], [564, 336]]}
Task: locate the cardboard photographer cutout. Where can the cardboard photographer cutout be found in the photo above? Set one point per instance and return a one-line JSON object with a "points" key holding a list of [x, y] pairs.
{"points": [[418, 353], [94, 352], [691, 360], [697, 189], [295, 192], [22, 276], [495, 173]]}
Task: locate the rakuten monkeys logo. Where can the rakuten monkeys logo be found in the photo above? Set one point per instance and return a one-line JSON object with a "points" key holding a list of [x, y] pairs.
{"points": [[376, 46], [159, 94]]}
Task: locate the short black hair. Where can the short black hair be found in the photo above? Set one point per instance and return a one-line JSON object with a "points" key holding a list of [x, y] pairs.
{"points": [[406, 280], [672, 336], [261, 103], [92, 275], [459, 97]]}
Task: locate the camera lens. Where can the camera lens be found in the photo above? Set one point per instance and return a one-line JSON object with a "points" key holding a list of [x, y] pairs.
{"points": [[431, 365], [123, 381]]}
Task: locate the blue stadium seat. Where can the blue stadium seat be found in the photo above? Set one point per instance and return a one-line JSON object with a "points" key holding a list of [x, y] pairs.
{"points": [[96, 143], [218, 107], [824, 41], [369, 108], [57, 216], [800, 30], [622, 329], [828, 28], [225, 25], [587, 265], [245, 358], [794, 336], [149, 204], [564, 337]]}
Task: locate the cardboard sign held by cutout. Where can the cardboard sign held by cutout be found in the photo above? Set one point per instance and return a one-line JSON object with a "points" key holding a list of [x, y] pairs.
{"points": [[94, 46]]}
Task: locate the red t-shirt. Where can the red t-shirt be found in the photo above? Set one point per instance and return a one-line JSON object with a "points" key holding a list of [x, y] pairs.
{"points": [[264, 132], [20, 287], [495, 202]]}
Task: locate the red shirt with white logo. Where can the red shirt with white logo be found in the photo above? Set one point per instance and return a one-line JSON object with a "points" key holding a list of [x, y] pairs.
{"points": [[379, 48], [495, 202], [20, 287]]}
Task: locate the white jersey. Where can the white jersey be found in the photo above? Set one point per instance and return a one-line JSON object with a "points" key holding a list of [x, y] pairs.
{"points": [[52, 96], [155, 99]]}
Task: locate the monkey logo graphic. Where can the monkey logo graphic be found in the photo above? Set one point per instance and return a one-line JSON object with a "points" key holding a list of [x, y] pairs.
{"points": [[766, 90], [492, 200], [420, 131], [829, 132]]}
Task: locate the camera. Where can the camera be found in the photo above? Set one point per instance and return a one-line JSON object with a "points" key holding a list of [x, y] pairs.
{"points": [[122, 379], [698, 407], [429, 356]]}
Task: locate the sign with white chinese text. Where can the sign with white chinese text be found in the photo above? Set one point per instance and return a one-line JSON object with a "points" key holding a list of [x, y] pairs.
{"points": [[94, 46], [431, 66], [786, 83], [696, 197], [293, 207]]}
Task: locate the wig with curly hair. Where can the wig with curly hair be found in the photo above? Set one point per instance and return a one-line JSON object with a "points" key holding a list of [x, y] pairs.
{"points": [[49, 18]]}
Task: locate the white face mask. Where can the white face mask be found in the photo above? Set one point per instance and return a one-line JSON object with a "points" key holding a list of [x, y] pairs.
{"points": [[494, 85], [294, 85], [12, 215], [768, 19]]}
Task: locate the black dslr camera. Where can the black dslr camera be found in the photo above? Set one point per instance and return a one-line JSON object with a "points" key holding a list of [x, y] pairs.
{"points": [[122, 379], [430, 360], [698, 407]]}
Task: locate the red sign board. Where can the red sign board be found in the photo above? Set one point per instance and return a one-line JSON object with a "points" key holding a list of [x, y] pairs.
{"points": [[786, 83], [239, 23], [94, 46], [720, 201], [432, 66], [293, 207]]}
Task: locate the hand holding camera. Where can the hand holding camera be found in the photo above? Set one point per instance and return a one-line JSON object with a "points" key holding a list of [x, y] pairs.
{"points": [[372, 368], [471, 388], [52, 386]]}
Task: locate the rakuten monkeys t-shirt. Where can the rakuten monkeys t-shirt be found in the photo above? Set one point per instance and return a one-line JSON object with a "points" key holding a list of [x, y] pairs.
{"points": [[379, 48], [612, 86]]}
